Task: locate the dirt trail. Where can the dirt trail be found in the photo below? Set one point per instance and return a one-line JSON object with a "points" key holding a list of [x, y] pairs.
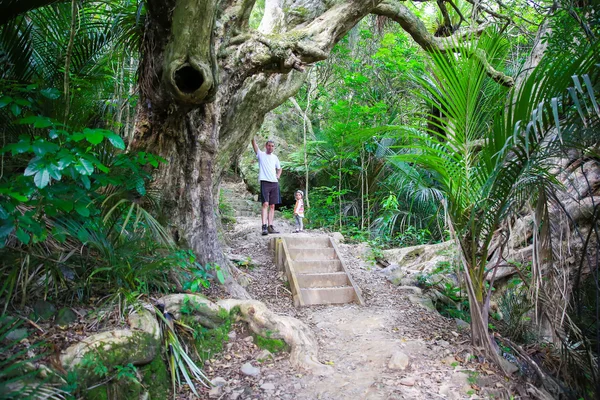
{"points": [[432, 356]]}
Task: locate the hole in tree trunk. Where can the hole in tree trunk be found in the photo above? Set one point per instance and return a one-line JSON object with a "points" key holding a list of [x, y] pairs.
{"points": [[188, 79]]}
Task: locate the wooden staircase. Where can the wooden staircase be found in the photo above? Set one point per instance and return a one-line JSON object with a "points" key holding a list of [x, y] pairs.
{"points": [[316, 273]]}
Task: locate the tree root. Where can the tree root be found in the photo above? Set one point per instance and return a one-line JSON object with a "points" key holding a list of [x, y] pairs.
{"points": [[138, 346], [262, 321], [303, 345]]}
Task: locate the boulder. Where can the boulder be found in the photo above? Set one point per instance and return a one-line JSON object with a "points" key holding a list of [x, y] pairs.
{"points": [[44, 310], [418, 259], [65, 316]]}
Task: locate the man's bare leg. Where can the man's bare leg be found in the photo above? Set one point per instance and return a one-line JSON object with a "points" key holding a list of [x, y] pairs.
{"points": [[271, 213], [265, 213]]}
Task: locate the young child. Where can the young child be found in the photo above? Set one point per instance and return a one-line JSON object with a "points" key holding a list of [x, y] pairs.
{"points": [[299, 210]]}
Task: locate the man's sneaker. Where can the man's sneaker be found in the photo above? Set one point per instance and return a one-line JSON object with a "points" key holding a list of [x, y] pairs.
{"points": [[272, 229], [264, 230]]}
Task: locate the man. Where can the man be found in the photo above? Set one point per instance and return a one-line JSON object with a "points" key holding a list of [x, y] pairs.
{"points": [[269, 171]]}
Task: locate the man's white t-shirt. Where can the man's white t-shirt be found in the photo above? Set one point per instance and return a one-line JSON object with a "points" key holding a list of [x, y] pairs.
{"points": [[267, 166]]}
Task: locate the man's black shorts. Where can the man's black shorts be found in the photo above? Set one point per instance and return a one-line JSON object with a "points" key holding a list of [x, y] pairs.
{"points": [[269, 192]]}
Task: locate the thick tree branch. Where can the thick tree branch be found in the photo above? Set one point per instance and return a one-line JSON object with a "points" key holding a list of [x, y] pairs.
{"points": [[417, 30], [293, 49], [236, 14]]}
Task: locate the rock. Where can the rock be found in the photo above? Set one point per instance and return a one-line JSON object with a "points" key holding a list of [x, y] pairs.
{"points": [[232, 336], [243, 280], [264, 356], [448, 392], [437, 296], [449, 360], [44, 310], [338, 237], [249, 339], [424, 302], [267, 386], [298, 386], [399, 360], [215, 392], [443, 343], [407, 381], [462, 324], [415, 289], [219, 381], [509, 367], [16, 335], [249, 370], [65, 317], [422, 258]]}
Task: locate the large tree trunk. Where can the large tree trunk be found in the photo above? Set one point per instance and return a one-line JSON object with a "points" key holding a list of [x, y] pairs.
{"points": [[198, 111], [206, 82]]}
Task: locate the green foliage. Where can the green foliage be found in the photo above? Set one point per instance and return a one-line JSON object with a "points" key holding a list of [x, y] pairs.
{"points": [[199, 275], [95, 363], [181, 365], [73, 193], [482, 186], [269, 343], [17, 379], [514, 306], [363, 84]]}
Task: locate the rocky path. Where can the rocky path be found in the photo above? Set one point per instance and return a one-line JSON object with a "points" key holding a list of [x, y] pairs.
{"points": [[394, 347]]}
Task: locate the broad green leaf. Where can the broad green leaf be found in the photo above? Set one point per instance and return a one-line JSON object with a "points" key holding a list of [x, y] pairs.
{"points": [[86, 182], [42, 178], [50, 210], [35, 165], [22, 146], [6, 228], [3, 213], [93, 136], [15, 109], [54, 172], [140, 186], [115, 140], [82, 234], [41, 147], [82, 209], [50, 93], [19, 197], [28, 120], [42, 123], [65, 161], [220, 276], [84, 167], [65, 205], [77, 136], [59, 234], [23, 236], [5, 100], [22, 102]]}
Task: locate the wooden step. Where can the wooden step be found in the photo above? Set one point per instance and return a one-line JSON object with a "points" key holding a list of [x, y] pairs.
{"points": [[312, 254], [300, 241], [317, 275], [337, 295], [328, 279], [307, 267]]}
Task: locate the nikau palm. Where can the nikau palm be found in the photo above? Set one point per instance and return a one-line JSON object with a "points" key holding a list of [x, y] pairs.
{"points": [[488, 163]]}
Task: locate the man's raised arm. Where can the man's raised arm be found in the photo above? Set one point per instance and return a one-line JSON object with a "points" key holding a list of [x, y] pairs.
{"points": [[254, 145]]}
